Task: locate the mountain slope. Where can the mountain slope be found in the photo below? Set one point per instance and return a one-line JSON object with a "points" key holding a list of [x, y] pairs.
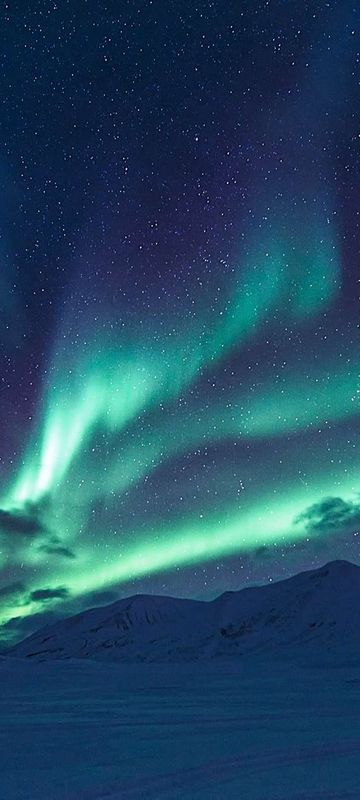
{"points": [[317, 610]]}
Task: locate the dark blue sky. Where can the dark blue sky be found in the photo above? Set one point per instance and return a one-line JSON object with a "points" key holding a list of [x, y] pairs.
{"points": [[179, 297]]}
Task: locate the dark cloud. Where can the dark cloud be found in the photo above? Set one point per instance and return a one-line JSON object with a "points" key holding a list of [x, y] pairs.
{"points": [[26, 522], [262, 552], [18, 628], [332, 513], [57, 550], [12, 589], [57, 593], [20, 523], [55, 547]]}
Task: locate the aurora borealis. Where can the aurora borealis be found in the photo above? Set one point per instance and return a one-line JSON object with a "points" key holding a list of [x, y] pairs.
{"points": [[180, 299]]}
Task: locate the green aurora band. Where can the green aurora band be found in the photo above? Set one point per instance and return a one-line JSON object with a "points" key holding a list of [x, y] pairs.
{"points": [[114, 384], [191, 543]]}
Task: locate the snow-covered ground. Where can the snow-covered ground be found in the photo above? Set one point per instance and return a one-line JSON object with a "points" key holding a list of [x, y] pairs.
{"points": [[221, 730]]}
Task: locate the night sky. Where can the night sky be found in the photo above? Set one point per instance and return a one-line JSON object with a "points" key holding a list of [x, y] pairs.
{"points": [[179, 284]]}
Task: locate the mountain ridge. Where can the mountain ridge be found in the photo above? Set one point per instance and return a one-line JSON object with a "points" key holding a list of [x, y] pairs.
{"points": [[313, 609]]}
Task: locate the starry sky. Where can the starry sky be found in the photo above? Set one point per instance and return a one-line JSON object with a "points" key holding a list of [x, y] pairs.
{"points": [[179, 284]]}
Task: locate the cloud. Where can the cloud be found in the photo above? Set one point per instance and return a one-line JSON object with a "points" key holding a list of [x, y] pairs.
{"points": [[17, 628], [332, 513], [57, 593], [264, 551], [12, 590], [27, 524], [21, 523], [55, 547]]}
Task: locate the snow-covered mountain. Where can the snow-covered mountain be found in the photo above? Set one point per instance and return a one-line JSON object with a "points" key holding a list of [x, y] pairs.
{"points": [[317, 610]]}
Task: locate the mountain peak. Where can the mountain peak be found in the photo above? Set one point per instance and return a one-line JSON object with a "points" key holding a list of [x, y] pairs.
{"points": [[336, 568], [341, 563]]}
